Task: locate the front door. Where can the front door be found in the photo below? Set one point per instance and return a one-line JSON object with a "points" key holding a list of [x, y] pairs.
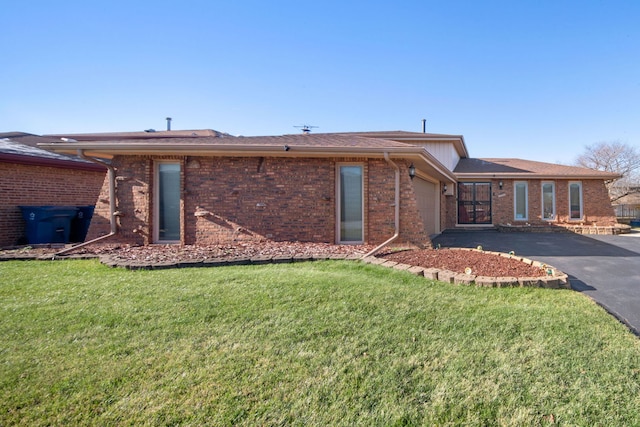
{"points": [[474, 203]]}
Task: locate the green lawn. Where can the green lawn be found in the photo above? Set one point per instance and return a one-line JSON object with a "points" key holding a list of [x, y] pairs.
{"points": [[324, 343]]}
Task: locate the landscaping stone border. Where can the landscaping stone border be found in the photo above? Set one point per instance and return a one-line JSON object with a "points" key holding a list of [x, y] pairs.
{"points": [[555, 279]]}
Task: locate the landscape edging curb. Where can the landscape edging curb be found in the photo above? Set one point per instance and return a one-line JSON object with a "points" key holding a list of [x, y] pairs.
{"points": [[556, 280]]}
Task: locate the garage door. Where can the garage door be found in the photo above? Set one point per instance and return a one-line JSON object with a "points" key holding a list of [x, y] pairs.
{"points": [[427, 204]]}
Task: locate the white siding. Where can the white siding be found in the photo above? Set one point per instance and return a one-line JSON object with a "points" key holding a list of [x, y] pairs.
{"points": [[444, 152]]}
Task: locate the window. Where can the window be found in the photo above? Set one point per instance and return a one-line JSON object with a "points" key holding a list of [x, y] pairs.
{"points": [[548, 201], [350, 204], [520, 201], [167, 202], [575, 200]]}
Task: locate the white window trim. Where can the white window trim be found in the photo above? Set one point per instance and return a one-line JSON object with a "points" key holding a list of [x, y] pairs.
{"points": [[339, 205], [581, 200], [156, 201], [554, 217], [526, 200]]}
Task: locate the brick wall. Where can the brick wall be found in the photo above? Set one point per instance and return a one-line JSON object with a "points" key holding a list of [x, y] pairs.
{"points": [[28, 185], [244, 198], [597, 207]]}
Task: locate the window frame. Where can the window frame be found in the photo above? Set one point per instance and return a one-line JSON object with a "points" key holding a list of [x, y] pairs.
{"points": [[156, 202], [526, 200], [339, 237], [581, 196], [554, 213]]}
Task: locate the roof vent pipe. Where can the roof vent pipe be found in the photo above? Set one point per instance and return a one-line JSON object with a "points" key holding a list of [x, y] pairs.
{"points": [[168, 123], [424, 125]]}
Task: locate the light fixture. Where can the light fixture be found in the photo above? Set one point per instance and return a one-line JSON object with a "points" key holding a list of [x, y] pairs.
{"points": [[412, 171], [500, 184], [444, 188]]}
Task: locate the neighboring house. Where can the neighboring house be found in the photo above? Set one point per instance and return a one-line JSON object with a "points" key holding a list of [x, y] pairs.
{"points": [[342, 188], [30, 176]]}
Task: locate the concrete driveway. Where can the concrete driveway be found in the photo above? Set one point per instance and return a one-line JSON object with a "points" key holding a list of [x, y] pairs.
{"points": [[606, 268]]}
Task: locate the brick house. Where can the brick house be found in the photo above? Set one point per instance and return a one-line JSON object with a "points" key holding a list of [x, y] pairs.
{"points": [[32, 176], [347, 188]]}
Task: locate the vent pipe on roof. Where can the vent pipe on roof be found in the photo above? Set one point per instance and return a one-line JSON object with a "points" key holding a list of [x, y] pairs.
{"points": [[424, 125], [168, 123]]}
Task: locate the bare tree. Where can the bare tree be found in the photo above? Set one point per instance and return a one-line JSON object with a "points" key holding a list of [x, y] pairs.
{"points": [[614, 157]]}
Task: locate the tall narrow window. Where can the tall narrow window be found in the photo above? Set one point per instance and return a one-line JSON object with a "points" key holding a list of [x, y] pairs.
{"points": [[520, 201], [548, 201], [351, 208], [168, 202], [575, 200]]}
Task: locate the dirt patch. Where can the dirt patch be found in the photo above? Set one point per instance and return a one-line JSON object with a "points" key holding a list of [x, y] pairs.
{"points": [[479, 263]]}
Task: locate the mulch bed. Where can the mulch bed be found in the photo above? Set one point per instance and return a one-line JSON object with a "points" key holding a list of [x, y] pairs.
{"points": [[480, 263]]}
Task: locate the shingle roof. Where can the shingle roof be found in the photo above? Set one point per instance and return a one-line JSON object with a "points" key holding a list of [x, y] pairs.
{"points": [[150, 134], [497, 167], [321, 141], [19, 147]]}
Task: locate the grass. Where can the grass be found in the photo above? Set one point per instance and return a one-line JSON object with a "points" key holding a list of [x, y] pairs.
{"points": [[324, 343]]}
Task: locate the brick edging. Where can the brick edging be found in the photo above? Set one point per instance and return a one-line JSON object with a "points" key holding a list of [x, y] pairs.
{"points": [[556, 280]]}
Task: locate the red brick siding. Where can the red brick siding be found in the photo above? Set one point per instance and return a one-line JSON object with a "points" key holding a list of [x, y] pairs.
{"points": [[597, 207], [274, 198], [27, 185], [227, 199]]}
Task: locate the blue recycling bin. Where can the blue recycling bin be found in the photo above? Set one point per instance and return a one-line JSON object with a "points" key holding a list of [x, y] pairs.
{"points": [[48, 224], [80, 224]]}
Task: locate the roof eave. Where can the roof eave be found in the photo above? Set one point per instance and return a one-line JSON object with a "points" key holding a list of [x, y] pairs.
{"points": [[220, 149], [491, 175], [49, 162]]}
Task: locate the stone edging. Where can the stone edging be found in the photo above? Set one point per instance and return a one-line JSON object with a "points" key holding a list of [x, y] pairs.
{"points": [[556, 280]]}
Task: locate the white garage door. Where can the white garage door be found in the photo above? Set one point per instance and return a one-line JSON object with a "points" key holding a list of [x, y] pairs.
{"points": [[427, 204]]}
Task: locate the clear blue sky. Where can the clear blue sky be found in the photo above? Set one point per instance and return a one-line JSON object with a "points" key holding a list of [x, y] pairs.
{"points": [[529, 79]]}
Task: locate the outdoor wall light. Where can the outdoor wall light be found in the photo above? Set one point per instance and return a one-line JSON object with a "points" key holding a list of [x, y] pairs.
{"points": [[412, 171], [444, 188], [500, 184]]}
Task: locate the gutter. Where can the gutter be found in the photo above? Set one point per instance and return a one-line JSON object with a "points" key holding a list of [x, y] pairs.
{"points": [[111, 173], [397, 209]]}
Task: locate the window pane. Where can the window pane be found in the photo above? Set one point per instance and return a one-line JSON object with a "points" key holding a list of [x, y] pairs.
{"points": [[575, 200], [169, 201], [351, 224], [520, 200], [548, 201]]}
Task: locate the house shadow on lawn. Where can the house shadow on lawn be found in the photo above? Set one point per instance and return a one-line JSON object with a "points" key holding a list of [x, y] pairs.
{"points": [[537, 244]]}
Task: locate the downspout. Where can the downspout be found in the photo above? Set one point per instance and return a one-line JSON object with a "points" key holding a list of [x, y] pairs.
{"points": [[111, 174], [397, 209]]}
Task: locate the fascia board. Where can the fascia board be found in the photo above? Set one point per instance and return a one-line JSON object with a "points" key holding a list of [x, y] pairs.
{"points": [[224, 150], [468, 176]]}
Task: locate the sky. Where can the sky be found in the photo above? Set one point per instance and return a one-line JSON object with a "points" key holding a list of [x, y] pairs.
{"points": [[537, 80]]}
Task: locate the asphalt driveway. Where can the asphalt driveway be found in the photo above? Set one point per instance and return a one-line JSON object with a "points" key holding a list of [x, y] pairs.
{"points": [[606, 268]]}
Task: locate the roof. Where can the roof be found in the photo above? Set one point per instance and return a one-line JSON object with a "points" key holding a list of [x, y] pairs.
{"points": [[297, 145], [148, 134], [19, 147], [519, 168]]}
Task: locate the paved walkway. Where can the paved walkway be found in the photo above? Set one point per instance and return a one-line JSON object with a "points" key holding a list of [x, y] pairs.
{"points": [[606, 268]]}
